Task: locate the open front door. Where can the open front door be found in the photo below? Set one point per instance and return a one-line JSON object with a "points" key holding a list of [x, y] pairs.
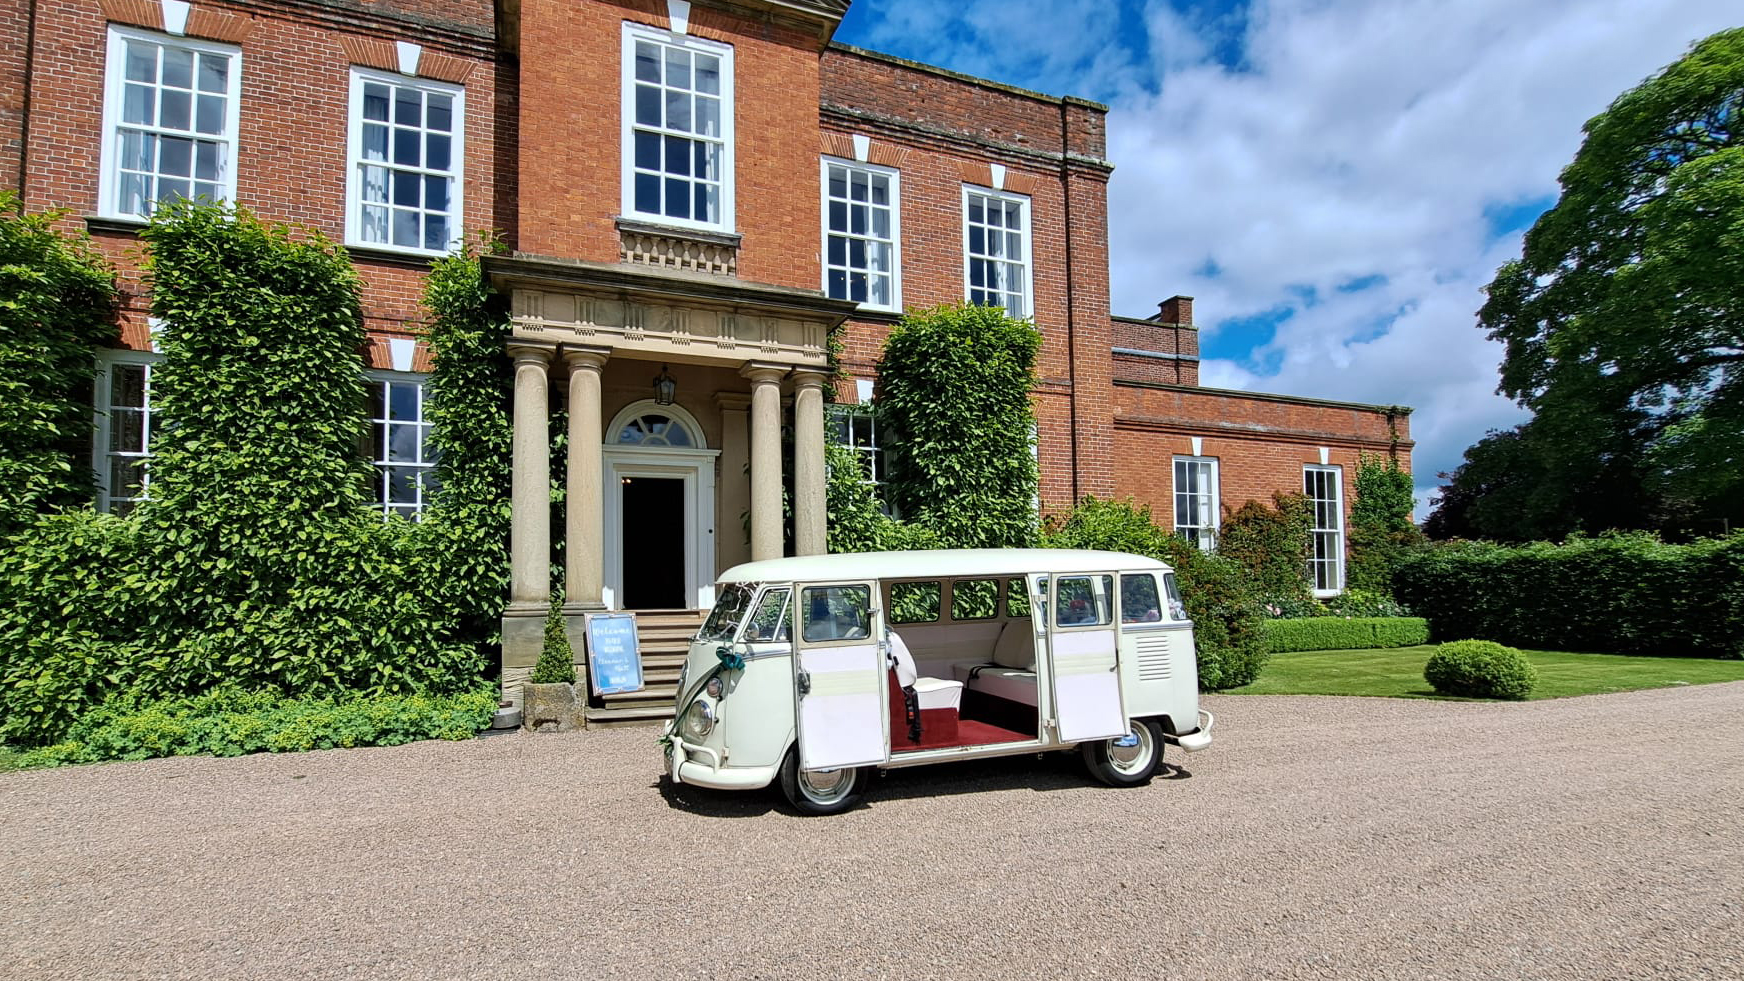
{"points": [[1085, 653], [839, 685]]}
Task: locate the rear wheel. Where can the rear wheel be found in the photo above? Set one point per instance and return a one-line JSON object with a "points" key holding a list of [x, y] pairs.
{"points": [[820, 792], [1129, 760]]}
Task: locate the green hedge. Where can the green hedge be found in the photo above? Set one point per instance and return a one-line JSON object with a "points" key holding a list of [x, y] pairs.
{"points": [[233, 723], [1480, 669], [1345, 633], [1622, 594]]}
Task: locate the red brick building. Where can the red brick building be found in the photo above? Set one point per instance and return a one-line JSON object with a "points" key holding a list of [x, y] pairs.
{"points": [[695, 195]]}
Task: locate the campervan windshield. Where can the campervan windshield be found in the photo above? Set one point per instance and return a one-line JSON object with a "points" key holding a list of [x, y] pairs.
{"points": [[723, 621]]}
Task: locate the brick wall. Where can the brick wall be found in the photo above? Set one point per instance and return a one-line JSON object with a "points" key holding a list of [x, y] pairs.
{"points": [[1180, 341], [570, 134], [943, 131], [1261, 442], [291, 151]]}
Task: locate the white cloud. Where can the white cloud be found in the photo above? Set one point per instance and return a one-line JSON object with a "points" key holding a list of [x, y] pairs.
{"points": [[1365, 138]]}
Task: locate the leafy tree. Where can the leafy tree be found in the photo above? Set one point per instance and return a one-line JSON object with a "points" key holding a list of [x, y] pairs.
{"points": [[954, 389], [1623, 319], [856, 522], [57, 304], [1380, 523]]}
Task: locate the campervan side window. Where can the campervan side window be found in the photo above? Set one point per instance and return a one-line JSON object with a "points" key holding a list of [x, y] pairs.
{"points": [[914, 602], [974, 599], [1016, 598], [1138, 598], [770, 620], [1177, 609], [836, 613], [1083, 601], [723, 621]]}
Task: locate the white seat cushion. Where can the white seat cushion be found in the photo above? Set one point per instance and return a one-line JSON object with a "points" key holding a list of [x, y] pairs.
{"points": [[938, 693], [991, 679], [1016, 646]]}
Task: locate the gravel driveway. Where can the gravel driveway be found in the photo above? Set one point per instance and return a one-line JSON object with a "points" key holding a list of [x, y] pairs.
{"points": [[1319, 838]]}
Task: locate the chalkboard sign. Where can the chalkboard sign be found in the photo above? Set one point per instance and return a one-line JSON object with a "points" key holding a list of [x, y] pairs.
{"points": [[614, 658]]}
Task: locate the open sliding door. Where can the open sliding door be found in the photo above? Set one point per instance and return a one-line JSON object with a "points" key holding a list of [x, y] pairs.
{"points": [[1085, 653], [839, 676]]}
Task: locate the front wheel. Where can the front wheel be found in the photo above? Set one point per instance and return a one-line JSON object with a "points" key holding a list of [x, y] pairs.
{"points": [[820, 792], [1129, 760]]}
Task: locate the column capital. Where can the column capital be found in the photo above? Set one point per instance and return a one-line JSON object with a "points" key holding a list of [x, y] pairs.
{"points": [[531, 352], [804, 379], [732, 401], [585, 357], [760, 372]]}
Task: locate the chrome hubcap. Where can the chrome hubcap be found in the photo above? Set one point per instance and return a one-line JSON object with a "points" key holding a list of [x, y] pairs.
{"points": [[825, 786], [1131, 752]]}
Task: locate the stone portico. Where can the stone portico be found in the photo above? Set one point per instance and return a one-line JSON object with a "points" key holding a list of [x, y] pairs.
{"points": [[659, 498]]}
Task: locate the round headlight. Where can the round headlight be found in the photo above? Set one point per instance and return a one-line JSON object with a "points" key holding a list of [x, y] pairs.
{"points": [[715, 687], [699, 720]]}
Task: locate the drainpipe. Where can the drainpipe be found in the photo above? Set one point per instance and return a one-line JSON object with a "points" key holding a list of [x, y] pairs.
{"points": [[29, 79]]}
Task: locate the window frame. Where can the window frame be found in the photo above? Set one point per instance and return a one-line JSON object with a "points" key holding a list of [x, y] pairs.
{"points": [[894, 176], [1215, 494], [844, 414], [114, 94], [1028, 233], [632, 33], [102, 406], [360, 77], [1337, 560], [378, 465]]}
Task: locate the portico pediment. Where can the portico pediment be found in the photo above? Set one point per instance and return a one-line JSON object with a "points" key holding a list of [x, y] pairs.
{"points": [[665, 314]]}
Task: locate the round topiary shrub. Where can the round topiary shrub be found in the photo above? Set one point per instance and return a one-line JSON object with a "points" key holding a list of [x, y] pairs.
{"points": [[1480, 669]]}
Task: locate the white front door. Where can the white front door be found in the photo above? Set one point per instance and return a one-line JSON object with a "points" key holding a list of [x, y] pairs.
{"points": [[839, 676], [683, 481], [1085, 656]]}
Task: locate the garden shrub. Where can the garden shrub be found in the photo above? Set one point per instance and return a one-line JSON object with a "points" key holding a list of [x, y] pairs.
{"points": [[856, 522], [256, 563], [1355, 602], [1217, 593], [954, 386], [1271, 543], [556, 663], [1332, 633], [57, 305], [1622, 594], [1480, 669], [229, 722], [468, 401]]}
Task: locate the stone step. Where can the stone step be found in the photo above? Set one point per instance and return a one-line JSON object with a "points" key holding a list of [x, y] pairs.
{"points": [[663, 694], [638, 715]]}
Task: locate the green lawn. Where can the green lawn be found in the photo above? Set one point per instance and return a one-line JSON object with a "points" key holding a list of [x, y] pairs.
{"points": [[1398, 673]]}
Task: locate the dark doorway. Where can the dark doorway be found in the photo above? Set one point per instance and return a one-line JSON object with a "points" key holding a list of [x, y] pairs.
{"points": [[654, 530]]}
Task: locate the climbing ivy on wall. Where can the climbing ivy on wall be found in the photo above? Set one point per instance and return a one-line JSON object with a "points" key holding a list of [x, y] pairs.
{"points": [[955, 387], [57, 305], [256, 563]]}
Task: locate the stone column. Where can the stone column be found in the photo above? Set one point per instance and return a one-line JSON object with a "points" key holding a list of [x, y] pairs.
{"points": [[584, 518], [530, 529], [766, 525], [809, 507]]}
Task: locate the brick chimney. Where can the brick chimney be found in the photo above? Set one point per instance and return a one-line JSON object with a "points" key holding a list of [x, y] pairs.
{"points": [[1176, 309]]}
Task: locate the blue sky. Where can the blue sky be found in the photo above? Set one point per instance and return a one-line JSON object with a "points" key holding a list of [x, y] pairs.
{"points": [[1334, 181]]}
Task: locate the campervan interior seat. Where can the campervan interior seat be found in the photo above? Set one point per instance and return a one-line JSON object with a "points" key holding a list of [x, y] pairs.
{"points": [[935, 693], [1012, 674]]}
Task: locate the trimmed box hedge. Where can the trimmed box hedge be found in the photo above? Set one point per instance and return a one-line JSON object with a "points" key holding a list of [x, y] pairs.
{"points": [[1623, 594], [1345, 633]]}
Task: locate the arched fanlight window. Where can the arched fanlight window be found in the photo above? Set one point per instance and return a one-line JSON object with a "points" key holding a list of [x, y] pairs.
{"points": [[653, 429]]}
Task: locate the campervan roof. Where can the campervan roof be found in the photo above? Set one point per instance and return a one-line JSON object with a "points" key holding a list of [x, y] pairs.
{"points": [[936, 564]]}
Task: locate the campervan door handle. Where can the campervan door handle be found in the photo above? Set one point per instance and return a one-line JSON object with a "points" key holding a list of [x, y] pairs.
{"points": [[803, 683]]}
